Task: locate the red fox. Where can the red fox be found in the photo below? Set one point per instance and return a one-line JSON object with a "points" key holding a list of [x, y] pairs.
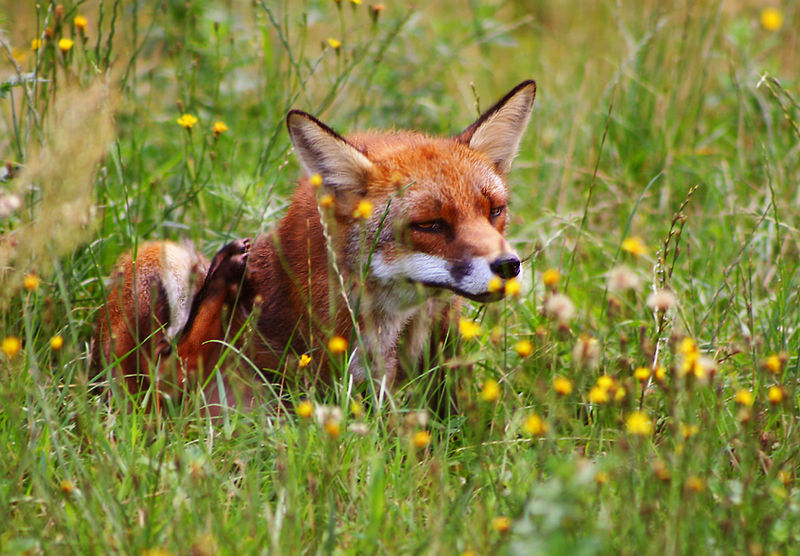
{"points": [[383, 229]]}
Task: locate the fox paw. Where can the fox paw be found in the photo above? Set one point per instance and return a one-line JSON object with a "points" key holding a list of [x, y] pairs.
{"points": [[230, 262]]}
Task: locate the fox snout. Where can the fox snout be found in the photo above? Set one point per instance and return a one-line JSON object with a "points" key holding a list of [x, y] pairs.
{"points": [[506, 266]]}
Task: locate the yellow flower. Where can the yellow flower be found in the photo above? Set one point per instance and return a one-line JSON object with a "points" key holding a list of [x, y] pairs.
{"points": [[31, 282], [562, 386], [776, 394], [356, 409], [524, 348], [36, 44], [490, 391], [606, 382], [551, 277], [304, 409], [421, 439], [65, 45], [219, 128], [335, 43], [337, 345], [80, 22], [689, 430], [660, 373], [744, 397], [326, 200], [187, 121], [642, 374], [315, 180], [304, 361], [355, 2], [771, 19], [11, 346], [598, 395], [534, 425], [688, 346], [602, 477], [635, 246], [695, 483], [501, 524], [619, 394], [468, 329], [67, 486], [56, 342], [513, 287], [495, 284], [773, 364], [363, 210], [155, 552], [333, 429], [639, 423]]}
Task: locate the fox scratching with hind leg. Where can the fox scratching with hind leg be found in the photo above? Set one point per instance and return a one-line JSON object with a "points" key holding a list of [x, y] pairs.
{"points": [[434, 233]]}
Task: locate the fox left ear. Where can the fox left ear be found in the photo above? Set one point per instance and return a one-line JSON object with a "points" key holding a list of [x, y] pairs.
{"points": [[498, 131]]}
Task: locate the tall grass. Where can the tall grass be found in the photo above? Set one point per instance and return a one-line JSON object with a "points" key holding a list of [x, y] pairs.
{"points": [[642, 398]]}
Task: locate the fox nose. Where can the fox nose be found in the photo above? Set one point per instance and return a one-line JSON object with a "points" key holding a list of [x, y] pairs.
{"points": [[506, 266]]}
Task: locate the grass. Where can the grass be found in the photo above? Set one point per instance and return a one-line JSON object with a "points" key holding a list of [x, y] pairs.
{"points": [[677, 125]]}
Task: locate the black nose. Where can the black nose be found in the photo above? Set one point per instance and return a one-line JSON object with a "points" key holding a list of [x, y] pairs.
{"points": [[506, 266]]}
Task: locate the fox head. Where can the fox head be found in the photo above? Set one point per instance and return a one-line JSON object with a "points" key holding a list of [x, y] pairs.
{"points": [[439, 204]]}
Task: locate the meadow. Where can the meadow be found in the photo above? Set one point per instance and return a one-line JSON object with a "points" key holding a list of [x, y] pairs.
{"points": [[636, 394]]}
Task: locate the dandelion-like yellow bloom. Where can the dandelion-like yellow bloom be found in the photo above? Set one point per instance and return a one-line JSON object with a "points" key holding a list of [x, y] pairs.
{"points": [[744, 397], [776, 394], [534, 425], [551, 277], [642, 373], [468, 329], [639, 423], [501, 524], [65, 45], [315, 180], [524, 348], [562, 386], [326, 200], [602, 477], [598, 395], [219, 128], [513, 287], [80, 22], [635, 246], [304, 361], [660, 373], [689, 430], [335, 43], [771, 19], [356, 409], [773, 364], [619, 394], [355, 2], [187, 121], [606, 382], [337, 345], [67, 486], [333, 429], [304, 409], [495, 284], [36, 44], [10, 346], [363, 210], [688, 346], [31, 282], [421, 439], [56, 342], [490, 391], [155, 552], [695, 483]]}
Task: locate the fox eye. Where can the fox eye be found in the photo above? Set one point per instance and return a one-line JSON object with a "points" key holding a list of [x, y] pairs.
{"points": [[431, 226], [496, 211]]}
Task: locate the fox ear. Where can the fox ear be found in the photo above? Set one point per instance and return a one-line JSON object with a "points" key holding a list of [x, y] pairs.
{"points": [[323, 151], [498, 131]]}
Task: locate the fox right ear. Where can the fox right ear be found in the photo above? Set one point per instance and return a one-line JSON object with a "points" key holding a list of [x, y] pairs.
{"points": [[323, 151]]}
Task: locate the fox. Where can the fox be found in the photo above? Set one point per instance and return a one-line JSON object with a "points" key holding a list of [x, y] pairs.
{"points": [[386, 233]]}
